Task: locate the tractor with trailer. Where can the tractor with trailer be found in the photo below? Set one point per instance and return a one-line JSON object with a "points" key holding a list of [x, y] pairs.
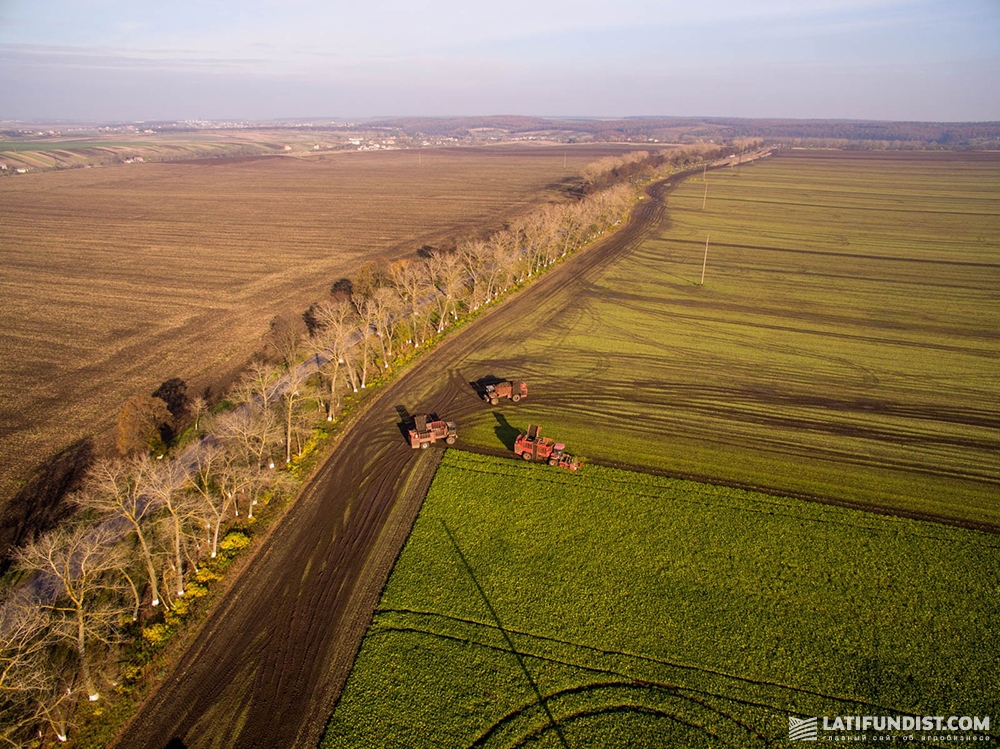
{"points": [[494, 391], [533, 446], [426, 431]]}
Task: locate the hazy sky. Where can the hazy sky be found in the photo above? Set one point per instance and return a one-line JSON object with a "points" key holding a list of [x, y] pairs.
{"points": [[260, 59]]}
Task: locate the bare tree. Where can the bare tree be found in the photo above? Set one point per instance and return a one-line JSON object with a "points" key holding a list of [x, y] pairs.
{"points": [[363, 350], [54, 700], [24, 682], [240, 480], [250, 432], [121, 489], [256, 385], [214, 504], [412, 284], [198, 407], [381, 311], [165, 484], [446, 271], [82, 568], [571, 227], [337, 328], [296, 390]]}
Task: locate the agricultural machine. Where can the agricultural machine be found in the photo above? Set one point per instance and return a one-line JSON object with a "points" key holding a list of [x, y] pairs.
{"points": [[505, 389], [533, 446], [425, 432]]}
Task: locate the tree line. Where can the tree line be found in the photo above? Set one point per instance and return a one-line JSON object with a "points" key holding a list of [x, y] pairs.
{"points": [[152, 527]]}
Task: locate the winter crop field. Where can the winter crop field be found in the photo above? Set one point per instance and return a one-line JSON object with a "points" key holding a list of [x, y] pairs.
{"points": [[610, 608], [845, 343]]}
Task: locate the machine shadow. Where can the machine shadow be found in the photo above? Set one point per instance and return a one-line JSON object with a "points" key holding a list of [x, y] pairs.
{"points": [[504, 431]]}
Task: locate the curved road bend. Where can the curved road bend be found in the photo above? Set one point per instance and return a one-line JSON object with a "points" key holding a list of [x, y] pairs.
{"points": [[266, 671]]}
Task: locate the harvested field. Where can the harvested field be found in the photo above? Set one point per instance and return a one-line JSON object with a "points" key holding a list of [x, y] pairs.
{"points": [[531, 606], [116, 279]]}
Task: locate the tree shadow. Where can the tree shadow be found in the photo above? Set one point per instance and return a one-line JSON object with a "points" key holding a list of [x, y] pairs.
{"points": [[504, 431], [39, 505], [175, 743], [506, 636], [571, 187]]}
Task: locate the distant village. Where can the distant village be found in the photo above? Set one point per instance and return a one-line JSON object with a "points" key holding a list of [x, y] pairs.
{"points": [[28, 147]]}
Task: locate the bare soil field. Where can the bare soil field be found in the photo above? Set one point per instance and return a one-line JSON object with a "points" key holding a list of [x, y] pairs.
{"points": [[118, 278]]}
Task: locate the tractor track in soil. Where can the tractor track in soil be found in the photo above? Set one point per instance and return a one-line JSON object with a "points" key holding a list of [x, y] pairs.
{"points": [[269, 665]]}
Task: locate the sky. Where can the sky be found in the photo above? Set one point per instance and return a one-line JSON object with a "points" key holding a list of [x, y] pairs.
{"points": [[111, 60]]}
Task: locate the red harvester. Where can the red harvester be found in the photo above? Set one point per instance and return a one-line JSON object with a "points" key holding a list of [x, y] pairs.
{"points": [[425, 432], [505, 389], [533, 446]]}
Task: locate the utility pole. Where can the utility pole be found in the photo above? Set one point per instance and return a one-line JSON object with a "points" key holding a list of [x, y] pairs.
{"points": [[704, 262]]}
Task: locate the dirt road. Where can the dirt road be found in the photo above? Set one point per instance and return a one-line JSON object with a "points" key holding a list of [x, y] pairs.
{"points": [[268, 668]]}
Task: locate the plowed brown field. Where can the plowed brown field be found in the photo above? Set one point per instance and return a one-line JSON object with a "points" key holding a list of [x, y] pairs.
{"points": [[116, 279]]}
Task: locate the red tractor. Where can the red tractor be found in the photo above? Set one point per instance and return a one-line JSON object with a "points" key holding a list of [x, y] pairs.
{"points": [[505, 389], [425, 432], [533, 446]]}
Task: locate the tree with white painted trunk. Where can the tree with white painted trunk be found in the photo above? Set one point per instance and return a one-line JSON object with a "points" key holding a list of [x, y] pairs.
{"points": [[295, 391], [25, 672], [214, 504], [411, 282], [121, 489], [80, 571], [445, 269], [252, 432], [334, 339], [166, 487], [382, 311]]}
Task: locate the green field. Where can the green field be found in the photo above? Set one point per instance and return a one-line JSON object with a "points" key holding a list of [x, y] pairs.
{"points": [[845, 344], [610, 608]]}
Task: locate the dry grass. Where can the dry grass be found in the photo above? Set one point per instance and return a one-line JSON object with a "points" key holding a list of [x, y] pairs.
{"points": [[118, 278]]}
